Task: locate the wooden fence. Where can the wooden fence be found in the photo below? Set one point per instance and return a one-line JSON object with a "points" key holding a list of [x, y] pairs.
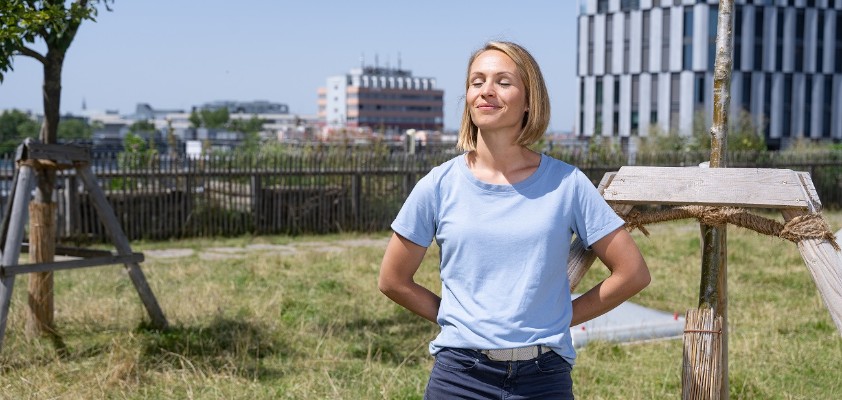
{"points": [[317, 192]]}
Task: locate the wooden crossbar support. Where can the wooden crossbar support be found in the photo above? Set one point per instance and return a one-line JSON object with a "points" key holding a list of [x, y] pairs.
{"points": [[33, 155], [71, 264], [789, 191]]}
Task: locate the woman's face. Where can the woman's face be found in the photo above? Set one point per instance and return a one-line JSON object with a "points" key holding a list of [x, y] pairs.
{"points": [[496, 94]]}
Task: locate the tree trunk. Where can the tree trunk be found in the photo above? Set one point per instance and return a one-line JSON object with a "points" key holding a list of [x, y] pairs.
{"points": [[42, 231]]}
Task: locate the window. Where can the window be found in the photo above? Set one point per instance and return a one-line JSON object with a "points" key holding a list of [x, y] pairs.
{"points": [[675, 100], [628, 5], [799, 40], [699, 89], [786, 117], [808, 104], [819, 42], [601, 6], [779, 40], [590, 45], [687, 39], [828, 101], [635, 104], [609, 43], [738, 36], [767, 95], [745, 98], [713, 24], [665, 41], [838, 42], [644, 42], [758, 38], [598, 108], [653, 101]]}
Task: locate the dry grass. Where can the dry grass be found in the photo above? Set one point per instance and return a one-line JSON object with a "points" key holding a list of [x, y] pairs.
{"points": [[309, 323]]}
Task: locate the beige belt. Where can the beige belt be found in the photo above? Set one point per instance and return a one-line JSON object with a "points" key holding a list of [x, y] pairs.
{"points": [[516, 354]]}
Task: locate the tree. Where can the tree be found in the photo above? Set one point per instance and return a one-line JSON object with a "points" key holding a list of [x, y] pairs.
{"points": [[55, 22], [744, 134], [15, 126], [73, 129]]}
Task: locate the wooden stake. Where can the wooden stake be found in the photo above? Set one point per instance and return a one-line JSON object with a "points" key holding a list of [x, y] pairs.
{"points": [[701, 376], [40, 320]]}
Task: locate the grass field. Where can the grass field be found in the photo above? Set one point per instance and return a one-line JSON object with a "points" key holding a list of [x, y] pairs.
{"points": [[301, 318]]}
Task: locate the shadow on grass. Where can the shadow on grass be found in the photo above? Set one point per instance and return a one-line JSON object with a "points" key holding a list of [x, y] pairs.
{"points": [[225, 345]]}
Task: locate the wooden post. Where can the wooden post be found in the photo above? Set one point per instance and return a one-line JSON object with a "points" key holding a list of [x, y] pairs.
{"points": [[40, 319], [121, 243], [713, 288]]}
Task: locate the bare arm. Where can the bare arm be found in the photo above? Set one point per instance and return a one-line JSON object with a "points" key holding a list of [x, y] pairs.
{"points": [[629, 275], [397, 271]]}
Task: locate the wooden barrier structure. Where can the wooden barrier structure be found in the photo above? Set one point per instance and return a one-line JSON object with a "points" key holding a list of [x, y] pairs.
{"points": [[717, 196], [30, 156]]}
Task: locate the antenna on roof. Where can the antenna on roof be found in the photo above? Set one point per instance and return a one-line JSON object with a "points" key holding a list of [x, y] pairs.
{"points": [[362, 60], [399, 61]]}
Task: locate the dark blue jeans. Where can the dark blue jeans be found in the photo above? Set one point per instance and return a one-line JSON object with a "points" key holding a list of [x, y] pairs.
{"points": [[469, 374]]}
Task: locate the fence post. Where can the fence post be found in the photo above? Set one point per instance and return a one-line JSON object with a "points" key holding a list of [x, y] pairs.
{"points": [[356, 198], [71, 207], [257, 210]]}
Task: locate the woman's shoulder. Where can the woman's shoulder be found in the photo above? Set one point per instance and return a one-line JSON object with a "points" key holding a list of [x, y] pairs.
{"points": [[446, 168], [558, 166]]}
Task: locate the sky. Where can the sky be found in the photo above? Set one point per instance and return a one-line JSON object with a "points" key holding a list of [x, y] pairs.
{"points": [[176, 54]]}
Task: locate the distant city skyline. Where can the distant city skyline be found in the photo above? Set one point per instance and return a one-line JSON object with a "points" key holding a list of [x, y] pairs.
{"points": [[175, 55]]}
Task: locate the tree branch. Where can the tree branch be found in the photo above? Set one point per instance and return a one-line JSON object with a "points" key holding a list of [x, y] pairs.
{"points": [[26, 51]]}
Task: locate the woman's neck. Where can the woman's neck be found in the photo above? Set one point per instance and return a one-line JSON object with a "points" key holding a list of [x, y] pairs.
{"points": [[498, 160]]}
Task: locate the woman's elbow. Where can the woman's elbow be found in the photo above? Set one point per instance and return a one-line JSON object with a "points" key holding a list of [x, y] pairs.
{"points": [[389, 286], [642, 277]]}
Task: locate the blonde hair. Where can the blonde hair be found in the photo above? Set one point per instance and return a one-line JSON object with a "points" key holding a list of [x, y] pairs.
{"points": [[536, 120]]}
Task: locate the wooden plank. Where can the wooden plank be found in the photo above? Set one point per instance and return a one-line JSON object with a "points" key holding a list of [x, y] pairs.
{"points": [[822, 260], [60, 153], [739, 187], [71, 264], [121, 243], [14, 236]]}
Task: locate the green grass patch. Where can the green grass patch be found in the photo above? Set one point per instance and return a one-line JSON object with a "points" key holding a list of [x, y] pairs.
{"points": [[309, 323]]}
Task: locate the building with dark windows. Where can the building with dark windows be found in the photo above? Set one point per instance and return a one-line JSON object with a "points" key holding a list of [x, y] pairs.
{"points": [[382, 99], [650, 62]]}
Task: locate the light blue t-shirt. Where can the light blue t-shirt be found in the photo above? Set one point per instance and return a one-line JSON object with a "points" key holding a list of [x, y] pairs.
{"points": [[504, 251]]}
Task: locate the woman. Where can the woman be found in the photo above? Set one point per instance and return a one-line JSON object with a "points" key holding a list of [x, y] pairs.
{"points": [[503, 216]]}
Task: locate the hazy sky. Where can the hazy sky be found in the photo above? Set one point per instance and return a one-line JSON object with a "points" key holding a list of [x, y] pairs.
{"points": [[174, 54]]}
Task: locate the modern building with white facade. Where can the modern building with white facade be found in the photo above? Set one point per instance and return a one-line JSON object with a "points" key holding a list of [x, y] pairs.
{"points": [[650, 62], [381, 98]]}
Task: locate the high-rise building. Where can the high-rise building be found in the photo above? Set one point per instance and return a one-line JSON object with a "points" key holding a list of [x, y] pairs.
{"points": [[388, 99], [645, 62]]}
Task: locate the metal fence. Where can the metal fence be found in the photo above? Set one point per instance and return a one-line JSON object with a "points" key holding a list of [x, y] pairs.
{"points": [[314, 192]]}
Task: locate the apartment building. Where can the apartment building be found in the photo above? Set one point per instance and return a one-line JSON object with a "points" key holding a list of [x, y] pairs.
{"points": [[650, 62]]}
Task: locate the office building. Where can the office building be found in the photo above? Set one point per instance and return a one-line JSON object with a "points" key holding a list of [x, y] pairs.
{"points": [[382, 99], [650, 62]]}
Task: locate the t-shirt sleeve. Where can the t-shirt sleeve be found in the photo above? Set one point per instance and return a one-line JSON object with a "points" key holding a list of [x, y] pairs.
{"points": [[416, 219], [593, 217]]}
